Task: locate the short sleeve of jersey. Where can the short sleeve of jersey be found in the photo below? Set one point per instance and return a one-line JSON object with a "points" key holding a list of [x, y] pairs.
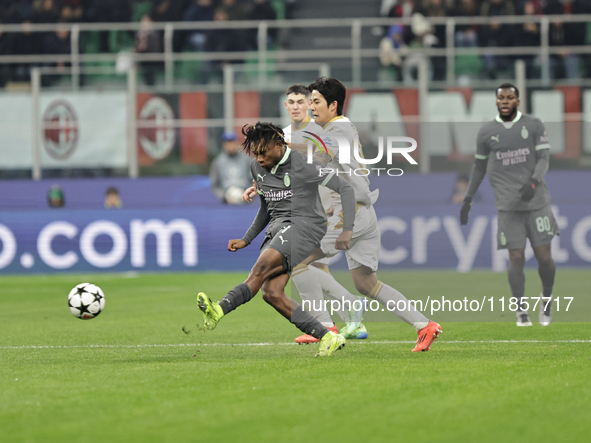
{"points": [[482, 147], [329, 144], [315, 172], [541, 136]]}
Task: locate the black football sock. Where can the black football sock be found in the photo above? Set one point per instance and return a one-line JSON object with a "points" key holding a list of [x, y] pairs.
{"points": [[304, 321], [547, 274], [238, 296], [517, 282]]}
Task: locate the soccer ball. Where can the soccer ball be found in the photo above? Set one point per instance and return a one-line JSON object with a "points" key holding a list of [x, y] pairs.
{"points": [[86, 301], [234, 195]]}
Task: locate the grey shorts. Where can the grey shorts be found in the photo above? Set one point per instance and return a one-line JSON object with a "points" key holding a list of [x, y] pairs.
{"points": [[514, 227], [292, 241]]}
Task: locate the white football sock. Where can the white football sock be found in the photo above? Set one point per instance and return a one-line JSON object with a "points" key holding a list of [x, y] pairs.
{"points": [[384, 294], [310, 291], [334, 289]]}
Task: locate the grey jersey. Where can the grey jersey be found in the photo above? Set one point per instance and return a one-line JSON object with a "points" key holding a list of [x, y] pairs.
{"points": [[289, 193], [511, 150]]}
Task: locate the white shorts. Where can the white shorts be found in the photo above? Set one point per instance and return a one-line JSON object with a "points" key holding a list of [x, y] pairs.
{"points": [[364, 247], [322, 261]]}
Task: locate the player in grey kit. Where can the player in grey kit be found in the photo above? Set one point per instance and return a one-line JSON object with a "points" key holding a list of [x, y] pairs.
{"points": [[515, 152], [291, 208]]}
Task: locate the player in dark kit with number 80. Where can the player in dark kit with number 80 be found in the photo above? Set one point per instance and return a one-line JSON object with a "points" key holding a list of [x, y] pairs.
{"points": [[515, 152], [291, 208]]}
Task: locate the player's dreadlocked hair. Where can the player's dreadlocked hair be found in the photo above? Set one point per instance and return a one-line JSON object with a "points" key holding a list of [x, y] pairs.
{"points": [[259, 136]]}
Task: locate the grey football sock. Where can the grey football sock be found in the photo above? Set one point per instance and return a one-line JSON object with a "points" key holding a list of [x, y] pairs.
{"points": [[236, 297], [304, 321], [516, 282], [547, 274]]}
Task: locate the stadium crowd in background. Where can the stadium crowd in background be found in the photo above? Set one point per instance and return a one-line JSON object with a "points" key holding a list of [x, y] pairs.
{"points": [[395, 47], [399, 39]]}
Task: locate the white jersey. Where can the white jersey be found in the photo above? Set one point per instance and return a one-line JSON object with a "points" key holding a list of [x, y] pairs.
{"points": [[291, 136], [353, 171]]}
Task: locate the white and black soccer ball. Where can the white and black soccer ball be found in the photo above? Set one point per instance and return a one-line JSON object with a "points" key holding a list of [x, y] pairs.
{"points": [[86, 301], [234, 195]]}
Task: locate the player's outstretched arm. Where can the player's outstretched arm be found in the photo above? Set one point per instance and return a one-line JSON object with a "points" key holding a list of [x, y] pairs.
{"points": [[478, 173]]}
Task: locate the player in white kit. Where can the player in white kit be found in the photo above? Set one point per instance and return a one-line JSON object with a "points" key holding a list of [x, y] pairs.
{"points": [[327, 101]]}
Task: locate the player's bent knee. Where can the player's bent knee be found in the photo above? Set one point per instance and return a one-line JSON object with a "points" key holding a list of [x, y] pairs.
{"points": [[271, 296], [363, 289]]}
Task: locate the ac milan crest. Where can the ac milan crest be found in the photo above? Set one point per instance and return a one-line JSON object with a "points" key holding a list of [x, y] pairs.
{"points": [[60, 129], [157, 141]]}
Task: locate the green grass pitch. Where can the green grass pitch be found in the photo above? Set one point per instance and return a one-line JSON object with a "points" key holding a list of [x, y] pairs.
{"points": [[132, 375]]}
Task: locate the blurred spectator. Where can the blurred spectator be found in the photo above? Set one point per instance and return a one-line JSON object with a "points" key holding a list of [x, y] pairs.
{"points": [[27, 43], [148, 40], [528, 34], [58, 42], [496, 35], [235, 9], [46, 11], [9, 12], [230, 171], [72, 10], [392, 50], [566, 64], [55, 197], [404, 8], [422, 31], [436, 8], [466, 36], [113, 199], [262, 10], [225, 39], [107, 11], [169, 10], [199, 11]]}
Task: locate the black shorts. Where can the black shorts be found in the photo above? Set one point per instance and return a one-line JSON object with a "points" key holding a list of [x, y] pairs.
{"points": [[292, 242]]}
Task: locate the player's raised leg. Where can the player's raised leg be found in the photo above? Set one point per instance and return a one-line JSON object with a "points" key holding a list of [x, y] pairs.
{"points": [[269, 263]]}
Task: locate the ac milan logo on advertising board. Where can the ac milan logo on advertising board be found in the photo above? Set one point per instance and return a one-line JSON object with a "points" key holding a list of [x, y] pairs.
{"points": [[158, 140], [60, 129]]}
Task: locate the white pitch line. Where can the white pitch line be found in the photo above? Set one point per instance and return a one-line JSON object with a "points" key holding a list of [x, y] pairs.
{"points": [[184, 345]]}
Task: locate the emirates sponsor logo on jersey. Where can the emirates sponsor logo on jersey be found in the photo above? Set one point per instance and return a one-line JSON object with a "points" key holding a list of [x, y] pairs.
{"points": [[513, 157], [275, 196]]}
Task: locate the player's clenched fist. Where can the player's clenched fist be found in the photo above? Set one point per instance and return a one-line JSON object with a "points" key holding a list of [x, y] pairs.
{"points": [[234, 245], [342, 242]]}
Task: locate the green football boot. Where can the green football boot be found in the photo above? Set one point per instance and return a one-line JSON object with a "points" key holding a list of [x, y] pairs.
{"points": [[212, 311], [330, 343]]}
